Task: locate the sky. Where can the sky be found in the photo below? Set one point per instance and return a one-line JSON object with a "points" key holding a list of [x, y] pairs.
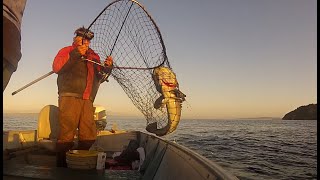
{"points": [[233, 59]]}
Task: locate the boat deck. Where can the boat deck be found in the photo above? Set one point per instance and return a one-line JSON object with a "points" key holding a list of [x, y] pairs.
{"points": [[26, 158], [41, 164], [24, 171]]}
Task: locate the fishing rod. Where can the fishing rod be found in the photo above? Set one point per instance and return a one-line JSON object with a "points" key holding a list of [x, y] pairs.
{"points": [[51, 72]]}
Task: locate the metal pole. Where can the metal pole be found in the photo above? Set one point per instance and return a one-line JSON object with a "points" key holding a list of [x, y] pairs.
{"points": [[114, 44], [40, 78], [120, 29]]}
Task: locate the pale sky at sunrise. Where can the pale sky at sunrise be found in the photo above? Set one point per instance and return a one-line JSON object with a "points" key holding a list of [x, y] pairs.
{"points": [[232, 58]]}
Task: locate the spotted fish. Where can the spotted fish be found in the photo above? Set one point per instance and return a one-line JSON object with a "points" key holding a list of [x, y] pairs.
{"points": [[171, 98]]}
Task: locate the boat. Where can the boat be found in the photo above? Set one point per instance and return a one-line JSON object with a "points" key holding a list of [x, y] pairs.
{"points": [[30, 154]]}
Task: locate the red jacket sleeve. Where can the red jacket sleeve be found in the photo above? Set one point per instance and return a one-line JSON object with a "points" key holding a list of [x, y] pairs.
{"points": [[66, 55]]}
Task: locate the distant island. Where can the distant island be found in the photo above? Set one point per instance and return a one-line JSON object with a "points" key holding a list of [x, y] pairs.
{"points": [[308, 112]]}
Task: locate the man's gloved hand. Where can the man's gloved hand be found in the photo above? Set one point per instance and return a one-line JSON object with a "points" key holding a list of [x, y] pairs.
{"points": [[82, 49], [82, 44], [108, 65], [108, 62]]}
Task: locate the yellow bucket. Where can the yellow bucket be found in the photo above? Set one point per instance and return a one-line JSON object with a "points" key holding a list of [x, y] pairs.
{"points": [[82, 159]]}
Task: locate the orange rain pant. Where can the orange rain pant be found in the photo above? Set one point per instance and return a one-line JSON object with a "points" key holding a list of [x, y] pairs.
{"points": [[76, 113]]}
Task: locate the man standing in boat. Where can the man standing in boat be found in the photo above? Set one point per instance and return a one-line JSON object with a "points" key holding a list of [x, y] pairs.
{"points": [[78, 82]]}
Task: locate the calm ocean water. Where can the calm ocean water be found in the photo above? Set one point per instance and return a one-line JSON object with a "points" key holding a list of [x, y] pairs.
{"points": [[249, 149]]}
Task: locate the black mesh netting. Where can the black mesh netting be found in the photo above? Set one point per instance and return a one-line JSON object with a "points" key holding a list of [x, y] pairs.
{"points": [[125, 30]]}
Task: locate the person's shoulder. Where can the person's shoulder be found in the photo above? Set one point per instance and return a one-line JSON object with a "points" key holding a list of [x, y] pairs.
{"points": [[91, 51], [66, 48]]}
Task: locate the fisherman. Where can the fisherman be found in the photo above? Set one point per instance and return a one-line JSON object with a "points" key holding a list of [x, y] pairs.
{"points": [[78, 81], [12, 17]]}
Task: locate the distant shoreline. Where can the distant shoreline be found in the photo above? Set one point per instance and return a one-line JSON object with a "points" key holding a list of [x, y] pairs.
{"points": [[263, 118], [139, 117]]}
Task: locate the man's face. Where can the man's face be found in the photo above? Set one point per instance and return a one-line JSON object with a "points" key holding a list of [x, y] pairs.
{"points": [[78, 41]]}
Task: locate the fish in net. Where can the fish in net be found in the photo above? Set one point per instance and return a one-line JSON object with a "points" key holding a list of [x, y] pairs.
{"points": [[127, 32]]}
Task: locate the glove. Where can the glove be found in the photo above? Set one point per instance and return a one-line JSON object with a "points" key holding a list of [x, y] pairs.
{"points": [[108, 62], [82, 45], [82, 49], [108, 65]]}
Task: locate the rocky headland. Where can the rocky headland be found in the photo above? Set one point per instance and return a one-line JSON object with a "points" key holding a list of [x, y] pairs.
{"points": [[308, 112]]}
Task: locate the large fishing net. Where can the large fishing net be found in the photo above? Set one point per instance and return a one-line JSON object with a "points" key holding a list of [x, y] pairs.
{"points": [[126, 31]]}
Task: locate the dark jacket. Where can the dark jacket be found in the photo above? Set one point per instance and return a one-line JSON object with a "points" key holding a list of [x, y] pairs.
{"points": [[12, 19], [77, 77]]}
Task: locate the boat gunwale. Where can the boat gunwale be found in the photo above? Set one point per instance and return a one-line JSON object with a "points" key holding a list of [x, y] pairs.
{"points": [[210, 165]]}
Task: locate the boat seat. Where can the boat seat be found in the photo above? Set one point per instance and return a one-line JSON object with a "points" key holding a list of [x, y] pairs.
{"points": [[48, 127]]}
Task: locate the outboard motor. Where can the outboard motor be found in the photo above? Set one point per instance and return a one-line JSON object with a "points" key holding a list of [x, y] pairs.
{"points": [[100, 117]]}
